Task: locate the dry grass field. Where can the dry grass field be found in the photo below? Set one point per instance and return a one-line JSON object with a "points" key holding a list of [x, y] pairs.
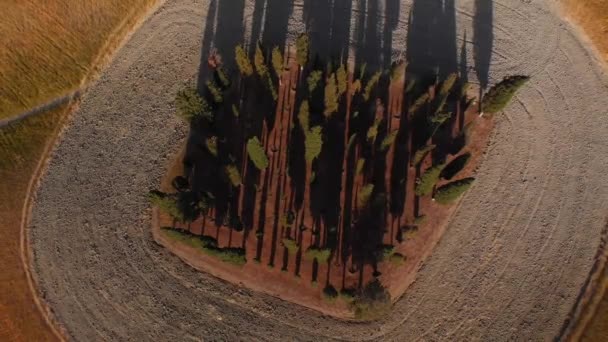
{"points": [[47, 51], [592, 16], [21, 147]]}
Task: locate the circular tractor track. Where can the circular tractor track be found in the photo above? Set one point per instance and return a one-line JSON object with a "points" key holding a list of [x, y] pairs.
{"points": [[510, 265]]}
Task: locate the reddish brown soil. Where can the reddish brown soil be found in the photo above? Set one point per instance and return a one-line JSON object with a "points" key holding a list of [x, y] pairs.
{"points": [[270, 268]]}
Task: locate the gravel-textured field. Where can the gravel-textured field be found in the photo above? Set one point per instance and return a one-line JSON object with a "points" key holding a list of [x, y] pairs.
{"points": [[509, 267]]}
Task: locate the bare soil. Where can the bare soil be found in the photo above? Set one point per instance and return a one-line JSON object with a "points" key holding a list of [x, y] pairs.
{"points": [[509, 266]]}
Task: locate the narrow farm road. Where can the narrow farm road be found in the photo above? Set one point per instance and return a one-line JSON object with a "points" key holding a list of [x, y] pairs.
{"points": [[50, 105], [510, 265]]}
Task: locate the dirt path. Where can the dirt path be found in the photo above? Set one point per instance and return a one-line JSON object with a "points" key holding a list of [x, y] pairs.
{"points": [[53, 104], [509, 266]]}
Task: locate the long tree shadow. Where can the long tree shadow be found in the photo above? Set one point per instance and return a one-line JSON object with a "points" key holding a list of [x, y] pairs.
{"points": [[483, 40]]}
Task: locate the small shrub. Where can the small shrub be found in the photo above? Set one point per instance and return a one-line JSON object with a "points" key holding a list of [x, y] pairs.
{"points": [[455, 166], [397, 259], [191, 106], [256, 153], [302, 49], [373, 302], [233, 174], [277, 61], [330, 293], [321, 254], [497, 98], [313, 143], [419, 220], [450, 192], [427, 181], [371, 84], [421, 154], [167, 204], [313, 80], [291, 245], [215, 92], [331, 96], [409, 232], [364, 195], [242, 61], [348, 295], [208, 245], [386, 252]]}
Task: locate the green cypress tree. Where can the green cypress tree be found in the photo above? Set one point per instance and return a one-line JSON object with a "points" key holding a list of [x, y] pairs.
{"points": [[302, 49], [371, 84], [304, 116], [420, 154], [277, 61], [313, 143], [450, 192], [242, 61], [331, 96], [191, 106], [233, 174], [497, 98], [256, 153], [313, 80]]}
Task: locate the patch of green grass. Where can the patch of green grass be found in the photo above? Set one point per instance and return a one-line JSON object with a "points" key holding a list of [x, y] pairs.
{"points": [[397, 259], [208, 245], [330, 293], [321, 254], [374, 302]]}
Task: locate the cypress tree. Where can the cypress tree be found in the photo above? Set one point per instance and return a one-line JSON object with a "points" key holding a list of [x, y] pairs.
{"points": [[242, 61], [497, 98], [450, 192], [302, 49], [277, 61], [427, 181], [256, 153], [191, 106], [331, 96], [313, 143]]}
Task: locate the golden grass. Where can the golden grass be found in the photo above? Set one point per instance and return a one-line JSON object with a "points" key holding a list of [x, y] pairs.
{"points": [[597, 328], [48, 48], [592, 16], [21, 148]]}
